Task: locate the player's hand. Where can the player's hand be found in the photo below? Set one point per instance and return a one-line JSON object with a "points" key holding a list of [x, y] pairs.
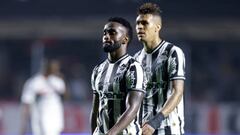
{"points": [[147, 129]]}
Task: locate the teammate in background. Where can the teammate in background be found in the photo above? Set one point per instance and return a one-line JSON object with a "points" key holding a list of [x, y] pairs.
{"points": [[164, 65], [41, 101], [117, 83]]}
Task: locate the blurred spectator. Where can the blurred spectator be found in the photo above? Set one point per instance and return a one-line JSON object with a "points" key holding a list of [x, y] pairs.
{"points": [[41, 101]]}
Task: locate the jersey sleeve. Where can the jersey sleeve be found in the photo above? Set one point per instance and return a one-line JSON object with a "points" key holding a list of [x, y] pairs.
{"points": [[135, 78], [93, 79], [28, 95], [176, 64]]}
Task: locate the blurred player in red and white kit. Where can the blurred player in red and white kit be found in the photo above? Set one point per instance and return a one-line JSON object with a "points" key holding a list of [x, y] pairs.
{"points": [[41, 99]]}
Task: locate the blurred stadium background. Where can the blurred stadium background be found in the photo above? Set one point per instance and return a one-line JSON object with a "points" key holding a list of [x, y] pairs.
{"points": [[207, 30]]}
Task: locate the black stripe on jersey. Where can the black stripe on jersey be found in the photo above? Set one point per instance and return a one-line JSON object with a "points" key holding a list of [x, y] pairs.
{"points": [[126, 130], [140, 114], [165, 67], [103, 75], [155, 101], [111, 113], [122, 86], [111, 106], [155, 132], [154, 57], [167, 50], [122, 104], [165, 95], [136, 125], [180, 125], [174, 54], [167, 130]]}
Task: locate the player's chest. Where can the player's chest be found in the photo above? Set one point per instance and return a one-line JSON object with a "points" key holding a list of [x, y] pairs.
{"points": [[111, 80], [111, 87], [151, 63]]}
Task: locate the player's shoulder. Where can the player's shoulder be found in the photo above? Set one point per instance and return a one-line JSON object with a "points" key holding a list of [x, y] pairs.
{"points": [[99, 66], [177, 50], [171, 47], [55, 78], [33, 80], [131, 59], [137, 54], [133, 62]]}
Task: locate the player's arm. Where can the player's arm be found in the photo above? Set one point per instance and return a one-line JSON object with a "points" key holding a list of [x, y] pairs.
{"points": [[94, 112], [25, 117], [133, 103], [173, 101], [95, 103]]}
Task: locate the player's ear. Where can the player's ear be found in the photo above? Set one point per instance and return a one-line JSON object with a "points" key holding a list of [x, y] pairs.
{"points": [[125, 40], [159, 26]]}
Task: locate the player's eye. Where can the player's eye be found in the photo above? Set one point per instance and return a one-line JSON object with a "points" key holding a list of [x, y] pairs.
{"points": [[138, 22], [112, 32], [144, 22]]}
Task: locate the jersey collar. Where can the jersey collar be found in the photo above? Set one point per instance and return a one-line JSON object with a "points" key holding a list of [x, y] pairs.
{"points": [[157, 48], [120, 59]]}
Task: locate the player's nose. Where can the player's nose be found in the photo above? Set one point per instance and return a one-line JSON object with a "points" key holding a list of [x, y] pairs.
{"points": [[139, 26], [106, 37]]}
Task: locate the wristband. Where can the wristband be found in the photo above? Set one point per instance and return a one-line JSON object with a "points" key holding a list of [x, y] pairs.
{"points": [[156, 121]]}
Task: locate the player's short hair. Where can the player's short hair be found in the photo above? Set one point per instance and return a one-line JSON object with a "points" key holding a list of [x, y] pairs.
{"points": [[125, 23], [149, 8]]}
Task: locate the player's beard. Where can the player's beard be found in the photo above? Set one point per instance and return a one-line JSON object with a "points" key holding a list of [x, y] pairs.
{"points": [[108, 47]]}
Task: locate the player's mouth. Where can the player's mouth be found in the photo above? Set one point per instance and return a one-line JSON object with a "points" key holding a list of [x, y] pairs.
{"points": [[107, 42], [140, 34]]}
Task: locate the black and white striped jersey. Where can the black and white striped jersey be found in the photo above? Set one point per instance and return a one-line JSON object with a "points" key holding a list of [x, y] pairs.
{"points": [[112, 82], [164, 64]]}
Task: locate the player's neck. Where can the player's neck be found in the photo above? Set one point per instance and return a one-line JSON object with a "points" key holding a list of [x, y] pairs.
{"points": [[149, 46], [116, 55]]}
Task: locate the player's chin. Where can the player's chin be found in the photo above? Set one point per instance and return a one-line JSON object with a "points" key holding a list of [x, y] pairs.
{"points": [[106, 44], [141, 39]]}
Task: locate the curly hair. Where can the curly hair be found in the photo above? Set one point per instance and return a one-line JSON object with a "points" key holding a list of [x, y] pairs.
{"points": [[125, 23], [149, 8]]}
